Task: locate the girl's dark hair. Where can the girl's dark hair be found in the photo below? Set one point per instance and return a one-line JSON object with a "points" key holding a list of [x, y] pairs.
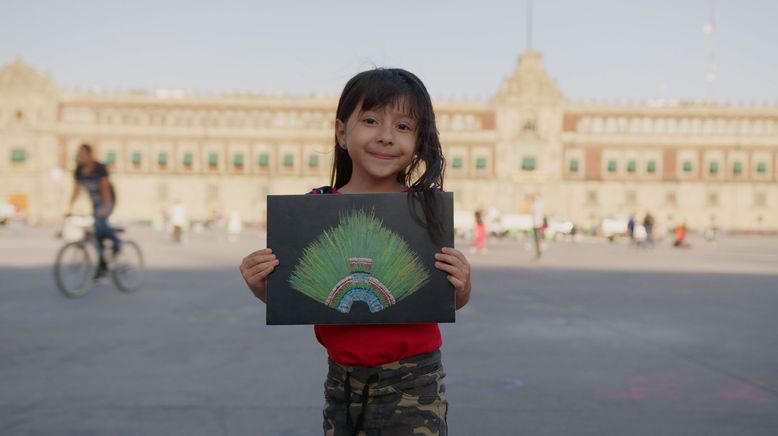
{"points": [[384, 87], [87, 148]]}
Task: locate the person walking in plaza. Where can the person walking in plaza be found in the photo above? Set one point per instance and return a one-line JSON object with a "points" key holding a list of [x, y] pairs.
{"points": [[383, 379], [179, 220], [631, 229], [538, 223], [93, 176], [648, 224], [479, 239], [679, 236]]}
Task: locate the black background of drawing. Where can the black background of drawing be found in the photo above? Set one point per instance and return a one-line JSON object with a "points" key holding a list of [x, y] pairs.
{"points": [[294, 221]]}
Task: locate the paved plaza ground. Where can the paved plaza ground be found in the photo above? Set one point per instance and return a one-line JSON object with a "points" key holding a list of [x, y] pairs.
{"points": [[595, 338]]}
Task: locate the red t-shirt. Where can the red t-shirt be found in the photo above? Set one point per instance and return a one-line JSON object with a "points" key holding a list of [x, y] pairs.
{"points": [[376, 344]]}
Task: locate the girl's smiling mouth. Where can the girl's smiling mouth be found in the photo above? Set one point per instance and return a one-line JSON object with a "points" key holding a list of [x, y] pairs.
{"points": [[382, 156]]}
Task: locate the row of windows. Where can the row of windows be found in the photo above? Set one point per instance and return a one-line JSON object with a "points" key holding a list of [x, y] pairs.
{"points": [[200, 118], [712, 199], [687, 166], [696, 126], [187, 159], [458, 122], [527, 163], [235, 119], [458, 162], [263, 160]]}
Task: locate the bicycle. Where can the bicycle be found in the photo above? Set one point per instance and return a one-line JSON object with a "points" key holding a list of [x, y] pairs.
{"points": [[77, 260]]}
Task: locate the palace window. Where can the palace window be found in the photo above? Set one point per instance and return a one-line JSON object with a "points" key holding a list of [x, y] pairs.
{"points": [[761, 168], [237, 160], [597, 125], [610, 125], [313, 160], [574, 166], [651, 168], [480, 163], [687, 166], [632, 166], [457, 163], [672, 125], [162, 159], [188, 160], [611, 166], [528, 163], [737, 168], [18, 155], [136, 158], [647, 125], [288, 160], [110, 158], [213, 160], [713, 168], [264, 160]]}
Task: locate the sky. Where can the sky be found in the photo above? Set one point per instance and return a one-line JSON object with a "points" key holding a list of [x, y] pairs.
{"points": [[595, 50]]}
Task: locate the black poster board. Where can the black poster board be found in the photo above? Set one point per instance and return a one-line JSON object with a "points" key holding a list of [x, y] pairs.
{"points": [[357, 258]]}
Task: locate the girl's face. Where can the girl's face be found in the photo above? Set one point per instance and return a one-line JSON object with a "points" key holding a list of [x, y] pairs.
{"points": [[381, 143], [84, 157]]}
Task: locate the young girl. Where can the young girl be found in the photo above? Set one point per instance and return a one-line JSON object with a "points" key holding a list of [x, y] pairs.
{"points": [[383, 379]]}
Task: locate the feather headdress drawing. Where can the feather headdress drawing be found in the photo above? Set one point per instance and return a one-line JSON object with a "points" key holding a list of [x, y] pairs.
{"points": [[358, 260]]}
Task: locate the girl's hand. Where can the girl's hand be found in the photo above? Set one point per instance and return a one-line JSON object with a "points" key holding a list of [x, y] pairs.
{"points": [[255, 268], [456, 265]]}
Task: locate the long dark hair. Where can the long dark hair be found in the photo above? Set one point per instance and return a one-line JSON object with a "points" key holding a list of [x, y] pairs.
{"points": [[88, 149], [382, 87]]}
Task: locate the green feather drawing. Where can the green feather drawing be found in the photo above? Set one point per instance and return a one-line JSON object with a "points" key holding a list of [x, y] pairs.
{"points": [[358, 260]]}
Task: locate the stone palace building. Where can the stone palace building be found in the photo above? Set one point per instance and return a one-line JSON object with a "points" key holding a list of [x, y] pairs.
{"points": [[696, 162]]}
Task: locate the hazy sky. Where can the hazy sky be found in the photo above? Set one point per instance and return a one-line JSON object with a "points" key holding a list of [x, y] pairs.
{"points": [[616, 49]]}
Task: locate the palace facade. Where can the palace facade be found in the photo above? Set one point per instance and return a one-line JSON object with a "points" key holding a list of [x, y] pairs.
{"points": [[700, 163]]}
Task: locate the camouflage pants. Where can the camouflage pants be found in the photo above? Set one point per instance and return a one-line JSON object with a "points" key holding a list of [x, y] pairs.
{"points": [[397, 399]]}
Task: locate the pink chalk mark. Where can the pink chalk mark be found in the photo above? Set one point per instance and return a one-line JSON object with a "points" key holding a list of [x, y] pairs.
{"points": [[739, 391], [648, 387]]}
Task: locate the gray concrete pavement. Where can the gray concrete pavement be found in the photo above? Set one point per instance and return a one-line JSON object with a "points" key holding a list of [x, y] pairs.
{"points": [[593, 339]]}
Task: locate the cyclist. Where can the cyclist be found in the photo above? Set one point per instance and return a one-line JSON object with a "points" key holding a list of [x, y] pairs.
{"points": [[93, 176]]}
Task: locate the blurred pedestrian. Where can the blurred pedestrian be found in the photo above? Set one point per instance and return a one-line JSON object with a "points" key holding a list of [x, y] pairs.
{"points": [[680, 236], [479, 241], [631, 229], [179, 221], [538, 221], [648, 224]]}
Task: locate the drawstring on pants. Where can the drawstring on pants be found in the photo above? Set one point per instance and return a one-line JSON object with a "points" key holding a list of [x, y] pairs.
{"points": [[365, 393]]}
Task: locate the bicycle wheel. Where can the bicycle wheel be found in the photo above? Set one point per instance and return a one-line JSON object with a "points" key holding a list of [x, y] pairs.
{"points": [[128, 267], [73, 269]]}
